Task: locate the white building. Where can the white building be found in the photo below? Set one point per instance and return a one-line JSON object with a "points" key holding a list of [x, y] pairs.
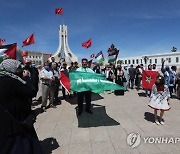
{"points": [[172, 59], [35, 56]]}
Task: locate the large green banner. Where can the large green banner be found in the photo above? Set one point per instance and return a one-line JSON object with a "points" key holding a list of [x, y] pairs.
{"points": [[97, 83]]}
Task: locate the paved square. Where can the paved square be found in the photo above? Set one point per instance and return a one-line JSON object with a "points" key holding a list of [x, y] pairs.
{"points": [[106, 130]]}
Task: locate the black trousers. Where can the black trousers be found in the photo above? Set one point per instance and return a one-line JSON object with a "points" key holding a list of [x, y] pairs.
{"points": [[80, 98]]}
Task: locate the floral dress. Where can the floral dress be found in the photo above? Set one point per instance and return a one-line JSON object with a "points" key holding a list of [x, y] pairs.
{"points": [[159, 98]]}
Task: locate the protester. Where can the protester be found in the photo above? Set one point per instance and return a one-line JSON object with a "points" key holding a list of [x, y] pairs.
{"points": [[76, 65], [17, 133], [56, 82], [159, 99], [48, 88], [138, 76], [154, 68], [173, 69], [86, 94], [178, 83], [169, 77], [119, 79], [132, 74], [71, 67], [34, 73], [109, 73], [126, 75], [97, 69], [65, 71]]}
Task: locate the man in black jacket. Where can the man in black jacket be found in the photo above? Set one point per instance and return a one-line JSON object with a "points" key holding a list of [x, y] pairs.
{"points": [[132, 74], [33, 73]]}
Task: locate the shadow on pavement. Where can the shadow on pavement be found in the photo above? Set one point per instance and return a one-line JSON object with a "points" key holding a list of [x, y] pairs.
{"points": [[98, 118], [48, 145], [142, 94], [94, 97], [149, 116]]}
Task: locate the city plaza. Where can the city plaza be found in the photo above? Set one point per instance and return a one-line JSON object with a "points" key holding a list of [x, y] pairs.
{"points": [[61, 131]]}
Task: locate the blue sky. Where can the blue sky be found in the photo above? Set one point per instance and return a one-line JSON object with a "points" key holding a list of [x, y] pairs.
{"points": [[136, 27]]}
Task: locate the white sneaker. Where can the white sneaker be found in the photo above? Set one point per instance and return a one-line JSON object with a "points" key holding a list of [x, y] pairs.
{"points": [[157, 122], [162, 122]]}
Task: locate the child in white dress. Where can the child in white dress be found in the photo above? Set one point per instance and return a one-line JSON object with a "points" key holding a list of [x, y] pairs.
{"points": [[159, 99]]}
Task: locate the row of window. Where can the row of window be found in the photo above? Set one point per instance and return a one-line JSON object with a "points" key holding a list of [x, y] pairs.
{"points": [[151, 61], [37, 62], [37, 57]]}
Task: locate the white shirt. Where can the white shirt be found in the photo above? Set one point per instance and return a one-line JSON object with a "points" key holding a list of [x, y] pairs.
{"points": [[45, 74]]}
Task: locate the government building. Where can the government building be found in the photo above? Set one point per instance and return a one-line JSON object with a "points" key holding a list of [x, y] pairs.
{"points": [[172, 59]]}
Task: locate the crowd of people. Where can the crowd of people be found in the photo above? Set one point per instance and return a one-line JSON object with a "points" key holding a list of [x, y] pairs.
{"points": [[20, 84]]}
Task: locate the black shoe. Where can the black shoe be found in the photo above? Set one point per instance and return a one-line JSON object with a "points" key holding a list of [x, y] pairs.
{"points": [[89, 111], [53, 106]]}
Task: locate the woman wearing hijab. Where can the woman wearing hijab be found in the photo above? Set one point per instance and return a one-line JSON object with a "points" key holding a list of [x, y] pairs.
{"points": [[17, 134]]}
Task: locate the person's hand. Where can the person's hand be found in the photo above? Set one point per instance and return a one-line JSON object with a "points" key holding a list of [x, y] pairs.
{"points": [[25, 73]]}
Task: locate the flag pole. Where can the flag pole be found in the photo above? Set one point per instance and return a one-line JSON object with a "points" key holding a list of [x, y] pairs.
{"points": [[63, 19]]}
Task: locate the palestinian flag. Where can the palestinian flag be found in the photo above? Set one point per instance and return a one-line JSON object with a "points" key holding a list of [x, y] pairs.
{"points": [[99, 57], [112, 53], [8, 51], [113, 57], [148, 79]]}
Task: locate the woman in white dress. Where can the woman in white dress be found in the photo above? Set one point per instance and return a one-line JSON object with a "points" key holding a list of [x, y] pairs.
{"points": [[159, 99]]}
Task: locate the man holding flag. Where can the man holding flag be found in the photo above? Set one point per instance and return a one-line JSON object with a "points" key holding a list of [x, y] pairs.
{"points": [[86, 94]]}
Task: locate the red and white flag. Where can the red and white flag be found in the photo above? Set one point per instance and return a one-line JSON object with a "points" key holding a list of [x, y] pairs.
{"points": [[29, 40], [1, 41], [87, 44], [59, 11], [148, 79], [24, 54]]}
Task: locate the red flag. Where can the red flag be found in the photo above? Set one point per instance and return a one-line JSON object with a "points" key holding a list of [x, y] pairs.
{"points": [[24, 54], [92, 56], [65, 81], [29, 40], [59, 11], [148, 79], [1, 41], [87, 44]]}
